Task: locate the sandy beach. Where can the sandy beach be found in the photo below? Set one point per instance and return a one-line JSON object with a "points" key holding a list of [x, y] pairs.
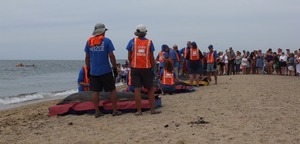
{"points": [[250, 109]]}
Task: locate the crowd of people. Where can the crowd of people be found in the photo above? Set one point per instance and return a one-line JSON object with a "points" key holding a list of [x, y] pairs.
{"points": [[142, 67]]}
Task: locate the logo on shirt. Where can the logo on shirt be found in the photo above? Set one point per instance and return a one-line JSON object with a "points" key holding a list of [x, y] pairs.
{"points": [[97, 47], [141, 51]]}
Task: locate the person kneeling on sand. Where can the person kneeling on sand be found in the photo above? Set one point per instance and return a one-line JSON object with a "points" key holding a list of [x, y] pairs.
{"points": [[167, 78], [84, 79]]}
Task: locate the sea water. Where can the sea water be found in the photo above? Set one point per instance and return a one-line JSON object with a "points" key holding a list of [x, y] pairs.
{"points": [[38, 80]]}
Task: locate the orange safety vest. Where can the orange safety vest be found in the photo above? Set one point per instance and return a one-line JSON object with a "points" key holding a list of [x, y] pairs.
{"points": [[194, 54], [95, 40], [210, 57], [161, 57], [141, 56], [168, 78], [86, 78]]}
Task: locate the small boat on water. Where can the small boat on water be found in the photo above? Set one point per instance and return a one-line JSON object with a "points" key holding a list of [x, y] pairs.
{"points": [[22, 65]]}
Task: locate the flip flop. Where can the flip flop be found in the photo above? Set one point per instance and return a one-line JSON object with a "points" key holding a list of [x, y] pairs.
{"points": [[117, 113], [138, 113], [99, 115]]}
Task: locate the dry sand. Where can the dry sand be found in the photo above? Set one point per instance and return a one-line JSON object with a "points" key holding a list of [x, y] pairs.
{"points": [[240, 109]]}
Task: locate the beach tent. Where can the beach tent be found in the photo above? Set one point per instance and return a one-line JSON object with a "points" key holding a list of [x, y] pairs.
{"points": [[81, 103]]}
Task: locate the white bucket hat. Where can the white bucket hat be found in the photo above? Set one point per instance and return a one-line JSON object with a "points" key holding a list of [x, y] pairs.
{"points": [[99, 29]]}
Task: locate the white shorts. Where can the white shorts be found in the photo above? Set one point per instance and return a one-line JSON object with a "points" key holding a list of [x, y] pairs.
{"points": [[291, 68]]}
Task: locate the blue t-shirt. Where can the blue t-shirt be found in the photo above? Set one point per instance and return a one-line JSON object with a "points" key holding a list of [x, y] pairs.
{"points": [[99, 62], [130, 45], [80, 79], [172, 56]]}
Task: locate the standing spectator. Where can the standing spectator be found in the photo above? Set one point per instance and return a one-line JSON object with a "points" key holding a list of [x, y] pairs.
{"points": [[98, 49], [291, 63], [226, 60], [270, 61], [276, 64], [297, 61], [283, 63], [141, 58], [238, 60], [221, 63], [259, 62], [244, 64], [211, 63], [231, 58], [253, 62]]}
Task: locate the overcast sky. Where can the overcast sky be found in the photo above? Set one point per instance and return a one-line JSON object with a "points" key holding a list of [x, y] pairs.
{"points": [[58, 29]]}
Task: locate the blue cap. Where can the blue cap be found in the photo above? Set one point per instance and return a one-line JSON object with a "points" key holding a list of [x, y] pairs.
{"points": [[211, 47]]}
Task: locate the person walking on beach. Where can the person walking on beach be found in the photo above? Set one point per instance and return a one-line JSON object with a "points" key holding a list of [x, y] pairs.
{"points": [[211, 63], [84, 79], [141, 59], [98, 49]]}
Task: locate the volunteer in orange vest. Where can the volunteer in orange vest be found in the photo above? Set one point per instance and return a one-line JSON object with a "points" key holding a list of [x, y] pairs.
{"points": [[167, 78], [194, 57], [83, 79], [162, 56], [211, 63], [184, 52], [141, 59]]}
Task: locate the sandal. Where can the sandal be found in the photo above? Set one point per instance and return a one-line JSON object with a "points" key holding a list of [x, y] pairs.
{"points": [[138, 113], [155, 112], [99, 115], [117, 113]]}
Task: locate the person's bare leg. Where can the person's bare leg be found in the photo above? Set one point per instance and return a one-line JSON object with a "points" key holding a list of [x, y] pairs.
{"points": [[215, 75], [197, 79], [95, 96], [113, 98], [138, 99], [151, 99]]}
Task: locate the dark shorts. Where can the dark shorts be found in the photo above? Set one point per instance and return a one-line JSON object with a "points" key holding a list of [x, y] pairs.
{"points": [[142, 77], [282, 64], [106, 82]]}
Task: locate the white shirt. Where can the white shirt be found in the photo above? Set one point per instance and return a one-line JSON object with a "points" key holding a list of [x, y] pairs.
{"points": [[283, 58]]}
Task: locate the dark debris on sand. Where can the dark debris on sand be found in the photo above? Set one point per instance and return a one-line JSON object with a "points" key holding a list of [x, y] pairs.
{"points": [[200, 120]]}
